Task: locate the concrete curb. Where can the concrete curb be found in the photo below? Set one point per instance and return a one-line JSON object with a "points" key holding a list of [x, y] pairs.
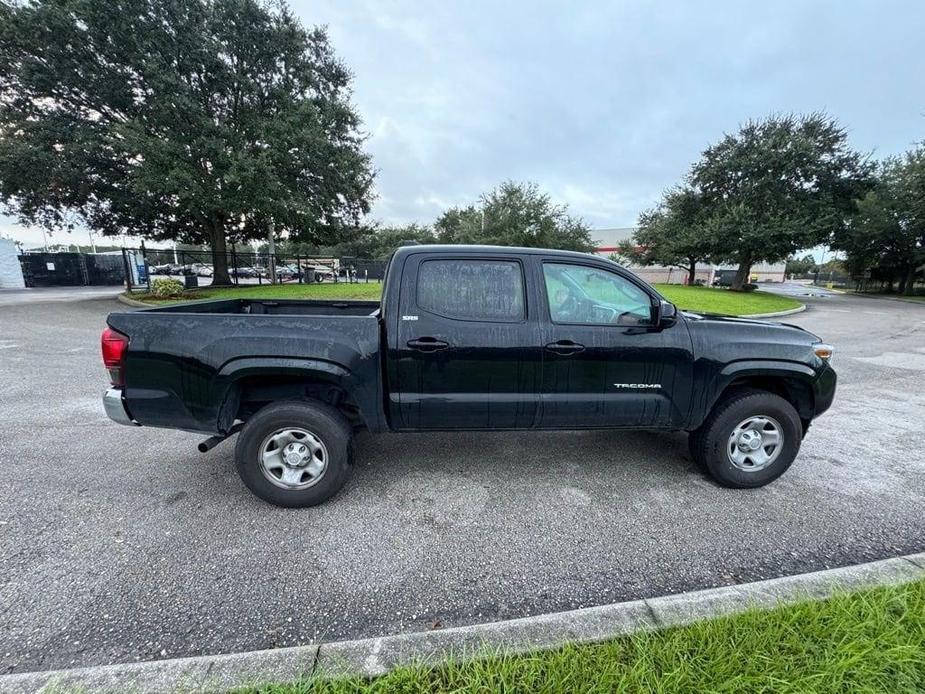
{"points": [[371, 657], [132, 302], [876, 297], [788, 312]]}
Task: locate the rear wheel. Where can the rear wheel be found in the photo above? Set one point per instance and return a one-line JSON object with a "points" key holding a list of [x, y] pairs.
{"points": [[749, 439], [295, 454]]}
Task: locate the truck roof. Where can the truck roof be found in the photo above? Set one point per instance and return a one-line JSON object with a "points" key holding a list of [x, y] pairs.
{"points": [[485, 249]]}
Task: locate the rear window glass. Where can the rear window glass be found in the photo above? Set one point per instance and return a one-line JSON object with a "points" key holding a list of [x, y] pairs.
{"points": [[472, 289]]}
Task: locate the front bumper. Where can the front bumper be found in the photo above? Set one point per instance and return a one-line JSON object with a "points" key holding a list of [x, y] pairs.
{"points": [[115, 407], [824, 390]]}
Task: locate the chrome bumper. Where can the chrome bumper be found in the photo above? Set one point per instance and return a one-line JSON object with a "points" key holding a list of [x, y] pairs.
{"points": [[115, 407]]}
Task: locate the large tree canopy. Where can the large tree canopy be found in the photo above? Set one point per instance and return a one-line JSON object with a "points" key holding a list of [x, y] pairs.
{"points": [[672, 233], [778, 186], [887, 237], [192, 120], [515, 214]]}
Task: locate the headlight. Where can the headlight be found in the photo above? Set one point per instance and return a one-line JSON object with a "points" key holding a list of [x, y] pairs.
{"points": [[823, 351]]}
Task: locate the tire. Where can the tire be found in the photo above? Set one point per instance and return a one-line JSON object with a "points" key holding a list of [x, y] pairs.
{"points": [[730, 461], [319, 442]]}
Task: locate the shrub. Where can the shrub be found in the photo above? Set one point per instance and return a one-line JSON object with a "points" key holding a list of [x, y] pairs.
{"points": [[166, 287]]}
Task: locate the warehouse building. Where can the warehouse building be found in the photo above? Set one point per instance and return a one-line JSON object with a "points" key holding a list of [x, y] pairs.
{"points": [[607, 242]]}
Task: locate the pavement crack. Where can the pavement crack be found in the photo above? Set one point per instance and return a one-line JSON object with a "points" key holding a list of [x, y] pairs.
{"points": [[315, 660], [655, 619]]}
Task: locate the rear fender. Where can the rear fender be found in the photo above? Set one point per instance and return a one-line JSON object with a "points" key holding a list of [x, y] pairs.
{"points": [[365, 395]]}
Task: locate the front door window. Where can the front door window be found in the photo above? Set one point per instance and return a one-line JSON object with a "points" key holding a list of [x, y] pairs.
{"points": [[591, 296]]}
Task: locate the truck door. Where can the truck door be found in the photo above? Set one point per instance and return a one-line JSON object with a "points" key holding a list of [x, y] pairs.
{"points": [[468, 349], [605, 362]]}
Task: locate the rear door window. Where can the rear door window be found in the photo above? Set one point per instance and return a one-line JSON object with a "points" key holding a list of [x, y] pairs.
{"points": [[486, 290]]}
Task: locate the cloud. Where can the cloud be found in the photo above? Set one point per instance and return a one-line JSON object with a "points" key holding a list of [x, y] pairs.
{"points": [[606, 105], [603, 104]]}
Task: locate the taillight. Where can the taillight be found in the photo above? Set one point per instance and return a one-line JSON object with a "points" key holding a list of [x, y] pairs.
{"points": [[114, 346]]}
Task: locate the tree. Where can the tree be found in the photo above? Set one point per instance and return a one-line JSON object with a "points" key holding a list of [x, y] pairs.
{"points": [[383, 242], [515, 214], [778, 186], [888, 234], [373, 242], [202, 121], [672, 233], [800, 266]]}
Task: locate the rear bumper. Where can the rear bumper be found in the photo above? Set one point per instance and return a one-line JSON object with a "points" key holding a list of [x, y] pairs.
{"points": [[114, 405]]}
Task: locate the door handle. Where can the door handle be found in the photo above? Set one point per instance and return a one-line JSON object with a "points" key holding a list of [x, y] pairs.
{"points": [[428, 344], [565, 347]]}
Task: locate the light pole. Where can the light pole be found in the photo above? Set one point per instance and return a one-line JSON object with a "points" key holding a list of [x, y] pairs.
{"points": [[272, 248]]}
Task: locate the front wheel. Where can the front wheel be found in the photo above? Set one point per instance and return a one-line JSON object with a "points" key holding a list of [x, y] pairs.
{"points": [[295, 454], [749, 439]]}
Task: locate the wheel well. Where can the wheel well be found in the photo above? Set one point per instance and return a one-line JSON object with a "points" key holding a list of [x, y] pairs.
{"points": [[252, 393], [794, 390]]}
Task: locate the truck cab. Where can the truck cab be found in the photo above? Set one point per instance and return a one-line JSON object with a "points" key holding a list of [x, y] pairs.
{"points": [[494, 338]]}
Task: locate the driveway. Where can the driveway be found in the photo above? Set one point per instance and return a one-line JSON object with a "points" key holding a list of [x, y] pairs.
{"points": [[41, 295], [800, 290], [126, 544]]}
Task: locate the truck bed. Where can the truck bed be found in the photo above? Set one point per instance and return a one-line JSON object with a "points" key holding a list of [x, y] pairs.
{"points": [[184, 361], [289, 307]]}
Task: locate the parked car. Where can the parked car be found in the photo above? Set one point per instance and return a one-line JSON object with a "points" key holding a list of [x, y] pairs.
{"points": [[724, 278], [466, 338], [166, 269], [285, 272], [192, 268], [205, 271], [243, 271], [322, 273]]}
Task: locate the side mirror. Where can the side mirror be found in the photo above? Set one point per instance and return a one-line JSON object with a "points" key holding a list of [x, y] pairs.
{"points": [[667, 314]]}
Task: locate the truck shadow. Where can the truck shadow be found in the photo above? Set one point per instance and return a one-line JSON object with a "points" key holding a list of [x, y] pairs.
{"points": [[653, 455]]}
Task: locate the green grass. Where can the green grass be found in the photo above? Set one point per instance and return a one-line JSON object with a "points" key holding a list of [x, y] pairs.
{"points": [[715, 300], [697, 299], [873, 641], [340, 290]]}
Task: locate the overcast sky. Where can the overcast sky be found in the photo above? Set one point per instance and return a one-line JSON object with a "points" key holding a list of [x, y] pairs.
{"points": [[604, 104]]}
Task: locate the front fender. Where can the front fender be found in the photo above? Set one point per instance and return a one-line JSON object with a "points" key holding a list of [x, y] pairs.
{"points": [[752, 368]]}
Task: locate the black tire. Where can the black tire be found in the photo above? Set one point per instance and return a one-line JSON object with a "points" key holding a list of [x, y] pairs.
{"points": [[323, 422], [709, 444]]}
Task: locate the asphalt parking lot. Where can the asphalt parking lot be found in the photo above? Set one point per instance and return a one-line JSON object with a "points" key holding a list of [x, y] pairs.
{"points": [[125, 544]]}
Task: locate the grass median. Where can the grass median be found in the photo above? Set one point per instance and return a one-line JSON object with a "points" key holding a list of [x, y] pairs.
{"points": [[697, 299], [872, 641]]}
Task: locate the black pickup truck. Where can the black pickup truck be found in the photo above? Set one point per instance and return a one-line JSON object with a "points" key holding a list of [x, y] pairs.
{"points": [[465, 337]]}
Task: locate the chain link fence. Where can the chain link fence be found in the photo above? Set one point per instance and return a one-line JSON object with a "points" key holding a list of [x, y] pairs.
{"points": [[196, 268], [136, 267]]}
